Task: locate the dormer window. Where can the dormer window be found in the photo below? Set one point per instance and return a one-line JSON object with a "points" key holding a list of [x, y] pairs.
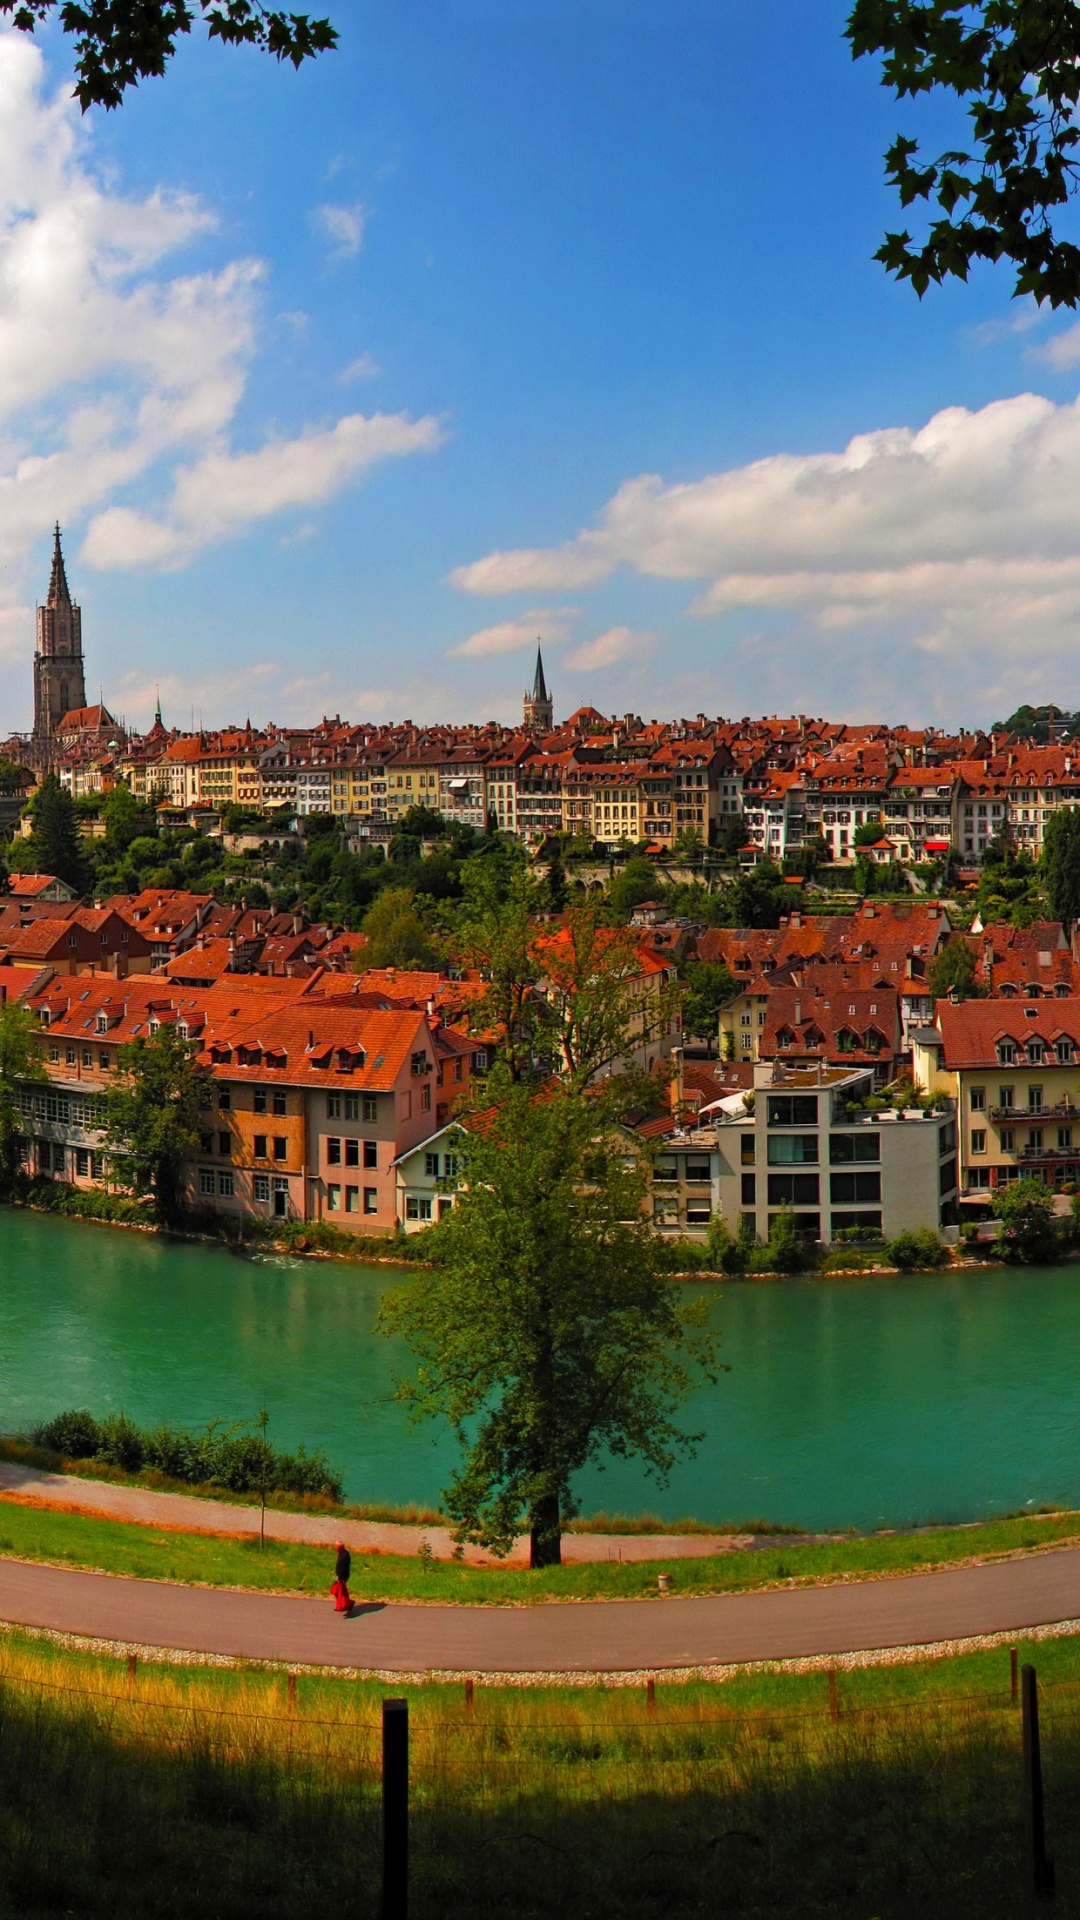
{"points": [[1064, 1052], [102, 1023], [1036, 1052], [1006, 1053]]}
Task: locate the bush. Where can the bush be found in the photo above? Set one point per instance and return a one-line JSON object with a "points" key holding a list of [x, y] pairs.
{"points": [[235, 1459], [75, 1434], [918, 1248]]}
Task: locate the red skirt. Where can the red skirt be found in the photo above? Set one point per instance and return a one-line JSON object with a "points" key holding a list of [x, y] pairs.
{"points": [[342, 1598]]}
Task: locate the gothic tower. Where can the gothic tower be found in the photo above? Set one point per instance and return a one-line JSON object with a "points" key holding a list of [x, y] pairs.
{"points": [[59, 685], [539, 708]]}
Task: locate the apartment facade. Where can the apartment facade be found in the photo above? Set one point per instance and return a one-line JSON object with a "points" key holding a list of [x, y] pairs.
{"points": [[1012, 1066]]}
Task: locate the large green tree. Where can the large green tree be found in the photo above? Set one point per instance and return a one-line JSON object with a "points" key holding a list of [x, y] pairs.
{"points": [[1014, 68], [547, 1333], [494, 934], [20, 1064], [152, 1116], [1061, 864], [710, 985], [397, 933], [1028, 1235], [953, 971]]}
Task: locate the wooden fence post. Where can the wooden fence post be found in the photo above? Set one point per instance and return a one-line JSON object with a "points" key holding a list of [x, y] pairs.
{"points": [[1014, 1676], [290, 1692], [650, 1696], [469, 1694], [1039, 1870], [395, 1817]]}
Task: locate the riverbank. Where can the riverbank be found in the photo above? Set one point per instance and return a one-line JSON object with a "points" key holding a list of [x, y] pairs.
{"points": [[110, 1529]]}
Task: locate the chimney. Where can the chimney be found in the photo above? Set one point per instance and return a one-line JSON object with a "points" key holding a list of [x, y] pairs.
{"points": [[798, 1013], [677, 1084]]}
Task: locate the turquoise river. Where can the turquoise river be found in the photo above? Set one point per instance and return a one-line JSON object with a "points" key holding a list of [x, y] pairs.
{"points": [[848, 1402]]}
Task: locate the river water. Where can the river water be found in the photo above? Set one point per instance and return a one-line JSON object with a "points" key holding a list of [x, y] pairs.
{"points": [[848, 1402]]}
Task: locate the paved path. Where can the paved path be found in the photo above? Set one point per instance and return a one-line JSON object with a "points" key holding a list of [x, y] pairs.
{"points": [[612, 1636], [191, 1514]]}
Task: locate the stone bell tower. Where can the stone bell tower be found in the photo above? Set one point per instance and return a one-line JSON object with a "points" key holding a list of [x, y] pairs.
{"points": [[59, 683], [538, 707]]}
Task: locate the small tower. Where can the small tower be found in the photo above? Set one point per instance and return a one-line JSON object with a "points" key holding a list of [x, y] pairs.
{"points": [[538, 706], [59, 682]]}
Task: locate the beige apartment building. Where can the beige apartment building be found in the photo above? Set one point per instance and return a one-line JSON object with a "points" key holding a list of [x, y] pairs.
{"points": [[1013, 1069]]}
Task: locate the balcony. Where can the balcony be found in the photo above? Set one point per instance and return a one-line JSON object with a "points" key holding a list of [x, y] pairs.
{"points": [[1064, 1110]]}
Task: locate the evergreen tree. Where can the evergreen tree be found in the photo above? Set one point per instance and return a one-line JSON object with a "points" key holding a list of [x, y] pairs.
{"points": [[55, 844], [953, 971], [1061, 864]]}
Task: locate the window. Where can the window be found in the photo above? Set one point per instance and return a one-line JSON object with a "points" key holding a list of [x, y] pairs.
{"points": [[224, 1098], [371, 1106], [260, 1186], [417, 1207], [260, 1146], [333, 1106], [371, 1153], [82, 1163], [371, 1200], [69, 1056], [54, 1055], [258, 1101], [1007, 1140], [1035, 1139], [793, 1110], [88, 1057], [946, 1137], [333, 1198], [1005, 1099], [838, 1221], [280, 1105], [224, 1143], [844, 1148], [425, 1099], [745, 1020], [1063, 1051], [1064, 1138], [848, 1189], [793, 1189], [746, 1149], [431, 1165], [977, 1099], [698, 1216], [352, 1106], [698, 1170], [206, 1142], [792, 1149], [206, 1180], [281, 1147], [333, 1152], [1006, 1053], [103, 1060], [979, 1177], [1035, 1099], [749, 1185], [225, 1183], [978, 1140], [667, 1168]]}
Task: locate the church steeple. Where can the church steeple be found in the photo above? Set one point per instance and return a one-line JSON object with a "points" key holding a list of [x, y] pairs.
{"points": [[58, 586], [538, 706]]}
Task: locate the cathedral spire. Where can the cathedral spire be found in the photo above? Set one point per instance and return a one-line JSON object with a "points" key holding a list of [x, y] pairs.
{"points": [[539, 691], [58, 586], [538, 710]]}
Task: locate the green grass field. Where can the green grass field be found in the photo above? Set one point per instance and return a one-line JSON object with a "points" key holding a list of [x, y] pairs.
{"points": [[155, 1553], [207, 1794]]}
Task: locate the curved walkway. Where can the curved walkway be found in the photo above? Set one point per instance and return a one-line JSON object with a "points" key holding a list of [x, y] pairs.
{"points": [[1011, 1596]]}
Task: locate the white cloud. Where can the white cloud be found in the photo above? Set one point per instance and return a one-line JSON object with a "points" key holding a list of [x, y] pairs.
{"points": [[120, 379], [1061, 351], [224, 492], [548, 625], [608, 650], [342, 228], [364, 367], [962, 533]]}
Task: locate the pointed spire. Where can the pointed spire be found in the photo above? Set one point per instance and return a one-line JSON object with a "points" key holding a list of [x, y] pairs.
{"points": [[158, 722], [58, 586], [539, 691]]}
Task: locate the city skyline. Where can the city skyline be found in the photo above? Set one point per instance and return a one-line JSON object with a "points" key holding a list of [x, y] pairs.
{"points": [[332, 433]]}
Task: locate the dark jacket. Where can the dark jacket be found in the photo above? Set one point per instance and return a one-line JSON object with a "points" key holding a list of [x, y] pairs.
{"points": [[343, 1567]]}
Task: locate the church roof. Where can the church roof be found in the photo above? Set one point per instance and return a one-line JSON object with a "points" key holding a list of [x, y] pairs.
{"points": [[540, 691]]}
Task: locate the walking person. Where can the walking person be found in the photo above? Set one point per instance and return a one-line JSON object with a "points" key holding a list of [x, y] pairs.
{"points": [[342, 1570]]}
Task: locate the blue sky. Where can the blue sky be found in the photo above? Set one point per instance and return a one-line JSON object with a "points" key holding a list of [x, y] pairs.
{"points": [[347, 383]]}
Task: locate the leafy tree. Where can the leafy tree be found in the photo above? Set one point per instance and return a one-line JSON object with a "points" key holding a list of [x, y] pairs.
{"points": [[55, 846], [710, 986], [592, 1007], [494, 935], [152, 1116], [918, 1248], [953, 971], [688, 849], [547, 1334], [868, 834], [20, 1064], [1029, 1235], [13, 778], [636, 882], [120, 42], [1015, 65], [1061, 864], [787, 1250], [127, 819], [396, 931], [734, 835], [758, 898]]}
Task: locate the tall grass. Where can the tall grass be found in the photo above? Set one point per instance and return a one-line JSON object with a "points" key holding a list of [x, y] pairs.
{"points": [[214, 1794]]}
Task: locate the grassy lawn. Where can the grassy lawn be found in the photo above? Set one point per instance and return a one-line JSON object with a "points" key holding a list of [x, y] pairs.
{"points": [[155, 1553], [192, 1792]]}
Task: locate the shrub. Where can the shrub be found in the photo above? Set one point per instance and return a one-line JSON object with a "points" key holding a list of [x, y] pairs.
{"points": [[120, 1444], [75, 1434], [918, 1248]]}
